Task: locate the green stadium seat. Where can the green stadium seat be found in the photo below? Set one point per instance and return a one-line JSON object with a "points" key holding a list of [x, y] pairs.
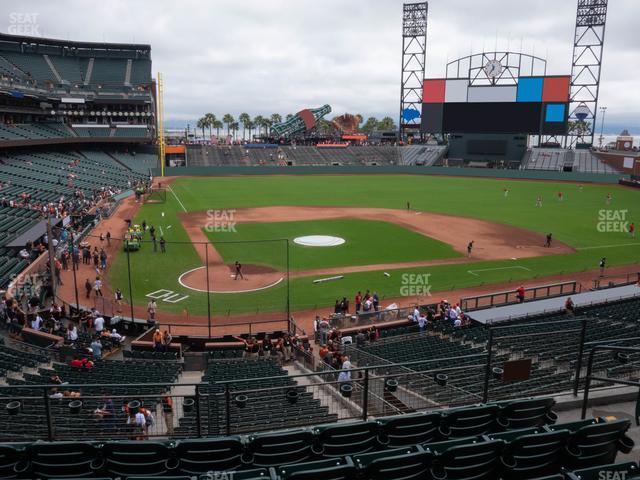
{"points": [[62, 459], [327, 469], [199, 456], [404, 430], [526, 413], [532, 453], [466, 459], [11, 461], [469, 421], [595, 443], [130, 458], [347, 439], [411, 463], [273, 449]]}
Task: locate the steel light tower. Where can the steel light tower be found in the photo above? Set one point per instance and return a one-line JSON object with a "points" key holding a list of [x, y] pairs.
{"points": [[414, 50], [586, 65]]}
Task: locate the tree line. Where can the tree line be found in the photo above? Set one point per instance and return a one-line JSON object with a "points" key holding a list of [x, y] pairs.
{"points": [[261, 125]]}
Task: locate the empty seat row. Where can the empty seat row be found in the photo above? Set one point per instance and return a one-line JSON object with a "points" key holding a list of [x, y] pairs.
{"points": [[337, 452]]}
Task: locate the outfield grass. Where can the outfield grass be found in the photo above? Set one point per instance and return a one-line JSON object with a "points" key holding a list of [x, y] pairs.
{"points": [[366, 242], [573, 221]]}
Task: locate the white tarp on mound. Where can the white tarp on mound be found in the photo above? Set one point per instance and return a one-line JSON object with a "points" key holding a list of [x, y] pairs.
{"points": [[319, 241]]}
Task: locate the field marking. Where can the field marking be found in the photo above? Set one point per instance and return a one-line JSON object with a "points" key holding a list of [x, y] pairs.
{"points": [[597, 247], [472, 272], [204, 290], [161, 232], [174, 194]]}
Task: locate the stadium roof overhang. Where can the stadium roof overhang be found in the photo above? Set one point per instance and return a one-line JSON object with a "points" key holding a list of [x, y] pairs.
{"points": [[66, 43]]}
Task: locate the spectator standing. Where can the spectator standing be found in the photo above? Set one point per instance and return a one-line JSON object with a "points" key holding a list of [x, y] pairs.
{"points": [[323, 329], [167, 413], [96, 348], [98, 324], [520, 294]]}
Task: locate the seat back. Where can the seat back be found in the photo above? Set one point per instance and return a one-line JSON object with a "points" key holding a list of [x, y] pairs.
{"points": [[347, 439], [534, 455], [404, 430], [527, 413], [10, 460], [470, 421], [405, 463], [62, 459], [599, 444], [199, 456], [327, 469], [273, 449], [470, 461], [131, 458]]}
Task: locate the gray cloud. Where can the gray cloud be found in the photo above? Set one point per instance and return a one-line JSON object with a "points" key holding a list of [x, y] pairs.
{"points": [[284, 55]]}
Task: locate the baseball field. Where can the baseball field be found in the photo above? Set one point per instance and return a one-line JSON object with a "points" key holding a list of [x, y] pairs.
{"points": [[389, 247]]}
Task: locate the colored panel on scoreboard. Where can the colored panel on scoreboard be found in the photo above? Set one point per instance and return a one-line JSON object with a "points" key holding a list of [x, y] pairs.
{"points": [[554, 112], [432, 117], [433, 91], [556, 89], [456, 90], [488, 94], [530, 89]]}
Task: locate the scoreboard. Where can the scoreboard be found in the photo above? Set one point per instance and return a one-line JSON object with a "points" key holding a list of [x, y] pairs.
{"points": [[535, 105]]}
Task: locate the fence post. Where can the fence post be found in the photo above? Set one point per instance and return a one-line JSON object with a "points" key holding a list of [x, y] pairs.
{"points": [[227, 401], [487, 370], [587, 383], [47, 408], [198, 416], [365, 399], [583, 334]]}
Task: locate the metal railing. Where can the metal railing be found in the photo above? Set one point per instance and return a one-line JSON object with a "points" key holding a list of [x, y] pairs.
{"points": [[510, 297]]}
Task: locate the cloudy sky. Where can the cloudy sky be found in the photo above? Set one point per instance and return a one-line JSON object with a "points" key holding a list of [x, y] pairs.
{"points": [[230, 56]]}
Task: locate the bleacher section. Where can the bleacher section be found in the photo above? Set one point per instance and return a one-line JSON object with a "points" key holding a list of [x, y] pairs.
{"points": [[551, 340], [30, 422], [421, 154], [545, 159], [585, 161], [271, 412], [140, 162], [13, 222]]}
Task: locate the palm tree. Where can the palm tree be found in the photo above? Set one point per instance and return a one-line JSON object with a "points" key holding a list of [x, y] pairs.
{"points": [[235, 126], [249, 126], [267, 125], [257, 121], [288, 117], [387, 123], [370, 125], [202, 123], [244, 119], [209, 118], [217, 124], [276, 118], [228, 119]]}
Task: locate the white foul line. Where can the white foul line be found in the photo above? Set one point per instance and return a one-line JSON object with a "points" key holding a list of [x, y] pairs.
{"points": [[472, 272], [609, 246], [161, 232], [174, 194]]}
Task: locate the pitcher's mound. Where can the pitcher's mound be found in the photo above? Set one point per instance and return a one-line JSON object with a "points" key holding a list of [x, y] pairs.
{"points": [[222, 279]]}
